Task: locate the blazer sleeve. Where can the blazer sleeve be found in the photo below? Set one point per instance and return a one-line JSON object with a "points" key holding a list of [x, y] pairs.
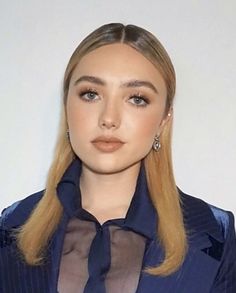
{"points": [[225, 281]]}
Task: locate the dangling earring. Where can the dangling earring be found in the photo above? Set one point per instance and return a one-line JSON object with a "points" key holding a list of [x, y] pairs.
{"points": [[68, 134], [156, 144]]}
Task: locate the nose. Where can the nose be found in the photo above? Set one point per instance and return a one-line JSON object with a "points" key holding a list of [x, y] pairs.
{"points": [[110, 116]]}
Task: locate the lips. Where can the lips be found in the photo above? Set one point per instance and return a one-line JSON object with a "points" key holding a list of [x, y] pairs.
{"points": [[107, 139], [107, 144]]}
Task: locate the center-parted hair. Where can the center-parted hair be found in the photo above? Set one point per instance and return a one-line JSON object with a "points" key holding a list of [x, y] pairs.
{"points": [[33, 237]]}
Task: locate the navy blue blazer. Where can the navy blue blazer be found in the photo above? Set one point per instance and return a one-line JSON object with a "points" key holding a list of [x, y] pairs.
{"points": [[209, 267]]}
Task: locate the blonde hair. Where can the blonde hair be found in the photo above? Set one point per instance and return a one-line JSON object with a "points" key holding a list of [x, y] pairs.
{"points": [[34, 235]]}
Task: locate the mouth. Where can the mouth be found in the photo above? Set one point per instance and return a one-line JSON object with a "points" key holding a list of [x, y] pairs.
{"points": [[107, 144], [107, 139]]}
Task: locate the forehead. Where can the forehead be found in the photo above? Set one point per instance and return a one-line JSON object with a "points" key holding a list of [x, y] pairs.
{"points": [[120, 61]]}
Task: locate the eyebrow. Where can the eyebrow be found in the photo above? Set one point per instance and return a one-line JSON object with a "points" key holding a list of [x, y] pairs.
{"points": [[129, 84]]}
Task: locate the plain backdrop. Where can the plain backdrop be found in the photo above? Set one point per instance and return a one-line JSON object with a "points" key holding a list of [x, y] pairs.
{"points": [[38, 37]]}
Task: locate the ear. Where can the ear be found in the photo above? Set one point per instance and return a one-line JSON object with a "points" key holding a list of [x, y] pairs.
{"points": [[165, 120]]}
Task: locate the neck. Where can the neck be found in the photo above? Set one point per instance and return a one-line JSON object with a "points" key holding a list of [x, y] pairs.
{"points": [[106, 192]]}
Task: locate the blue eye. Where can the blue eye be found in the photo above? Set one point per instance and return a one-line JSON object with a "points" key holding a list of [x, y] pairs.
{"points": [[139, 101], [88, 95]]}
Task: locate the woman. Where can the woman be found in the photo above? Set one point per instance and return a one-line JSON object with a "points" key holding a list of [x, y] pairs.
{"points": [[111, 218]]}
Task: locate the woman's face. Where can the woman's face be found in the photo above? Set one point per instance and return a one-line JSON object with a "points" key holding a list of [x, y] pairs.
{"points": [[115, 91]]}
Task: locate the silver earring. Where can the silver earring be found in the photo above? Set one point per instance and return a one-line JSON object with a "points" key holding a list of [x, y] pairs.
{"points": [[156, 144], [68, 133]]}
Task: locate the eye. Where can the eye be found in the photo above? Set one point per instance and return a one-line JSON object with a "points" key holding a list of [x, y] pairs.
{"points": [[88, 95], [139, 100]]}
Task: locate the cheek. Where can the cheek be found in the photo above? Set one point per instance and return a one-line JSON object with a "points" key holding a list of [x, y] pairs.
{"points": [[77, 116], [145, 126], [79, 124]]}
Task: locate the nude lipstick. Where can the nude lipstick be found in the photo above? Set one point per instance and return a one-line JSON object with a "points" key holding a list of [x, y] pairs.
{"points": [[107, 144]]}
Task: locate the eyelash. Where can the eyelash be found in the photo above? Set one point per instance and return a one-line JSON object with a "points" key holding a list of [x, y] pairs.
{"points": [[88, 91], [136, 95], [143, 98]]}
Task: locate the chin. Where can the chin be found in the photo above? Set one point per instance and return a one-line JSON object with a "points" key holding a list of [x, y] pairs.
{"points": [[110, 165], [104, 167]]}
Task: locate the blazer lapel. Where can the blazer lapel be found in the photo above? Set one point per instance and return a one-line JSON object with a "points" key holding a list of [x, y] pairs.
{"points": [[196, 274], [203, 257]]}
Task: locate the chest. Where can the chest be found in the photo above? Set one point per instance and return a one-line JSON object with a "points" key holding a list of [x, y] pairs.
{"points": [[100, 259]]}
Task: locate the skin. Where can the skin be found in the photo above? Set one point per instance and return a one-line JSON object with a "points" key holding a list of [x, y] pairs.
{"points": [[111, 109]]}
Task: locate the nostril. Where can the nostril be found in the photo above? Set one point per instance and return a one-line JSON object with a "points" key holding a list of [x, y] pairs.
{"points": [[108, 124]]}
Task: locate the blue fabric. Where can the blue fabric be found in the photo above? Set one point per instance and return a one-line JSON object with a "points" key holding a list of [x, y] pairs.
{"points": [[209, 267], [98, 269]]}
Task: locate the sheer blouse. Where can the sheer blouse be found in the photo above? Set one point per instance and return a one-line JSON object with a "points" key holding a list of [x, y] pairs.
{"points": [[105, 258]]}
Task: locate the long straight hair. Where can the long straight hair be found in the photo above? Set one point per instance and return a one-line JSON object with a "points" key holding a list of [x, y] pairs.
{"points": [[33, 236]]}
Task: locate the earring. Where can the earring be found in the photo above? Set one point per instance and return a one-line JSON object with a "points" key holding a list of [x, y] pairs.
{"points": [[156, 144], [68, 133]]}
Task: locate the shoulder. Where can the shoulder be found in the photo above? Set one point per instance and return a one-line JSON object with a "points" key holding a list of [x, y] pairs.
{"points": [[202, 216], [18, 212], [211, 234]]}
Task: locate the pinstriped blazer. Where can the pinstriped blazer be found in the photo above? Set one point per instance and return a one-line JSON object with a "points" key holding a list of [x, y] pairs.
{"points": [[209, 267]]}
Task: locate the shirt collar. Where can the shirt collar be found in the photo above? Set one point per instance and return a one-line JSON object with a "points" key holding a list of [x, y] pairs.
{"points": [[141, 216]]}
